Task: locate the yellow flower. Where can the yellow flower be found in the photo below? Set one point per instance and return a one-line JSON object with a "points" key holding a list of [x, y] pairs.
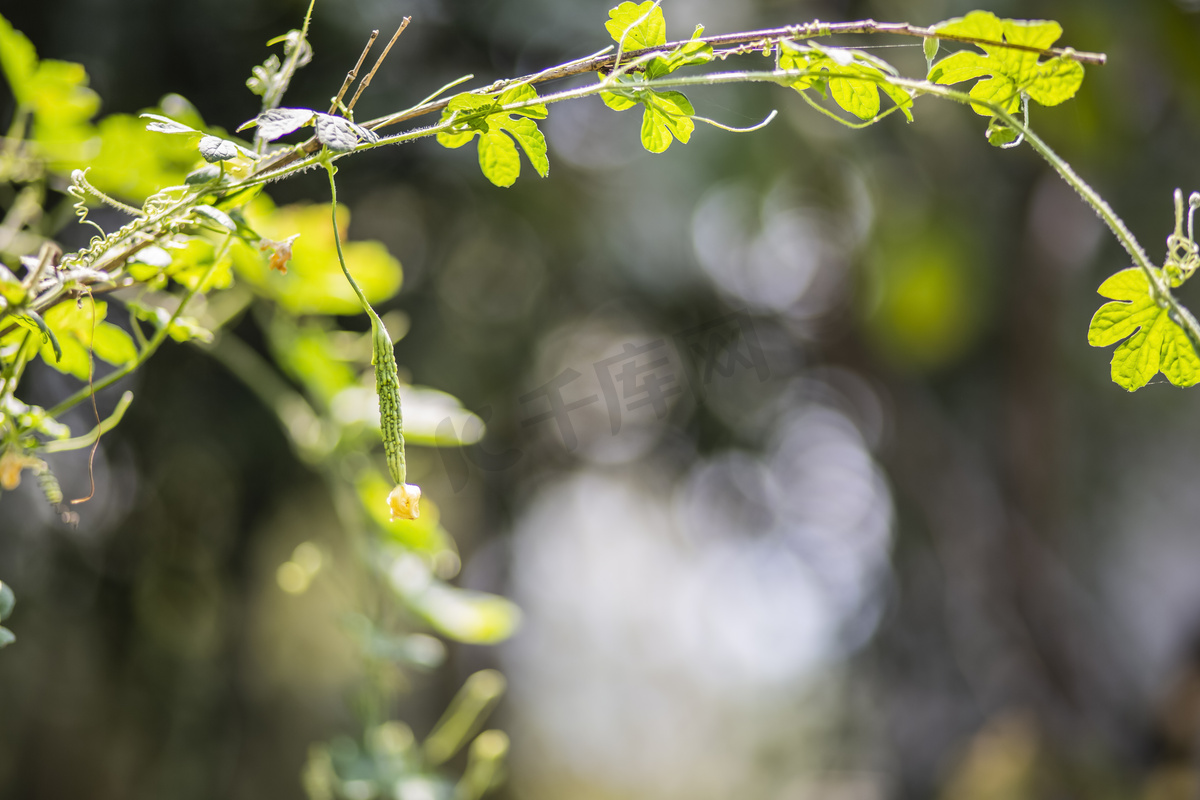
{"points": [[403, 501]]}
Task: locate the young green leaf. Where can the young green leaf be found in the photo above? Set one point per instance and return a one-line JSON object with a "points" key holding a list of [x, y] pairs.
{"points": [[854, 78], [214, 149], [481, 116], [18, 60], [217, 216], [668, 116], [278, 122], [1153, 341], [641, 26], [82, 332], [340, 134], [1009, 72], [930, 48], [161, 124]]}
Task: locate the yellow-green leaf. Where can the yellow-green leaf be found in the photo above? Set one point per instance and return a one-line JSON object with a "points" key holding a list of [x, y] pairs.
{"points": [[1153, 342], [1012, 71], [82, 331], [642, 26], [19, 61]]}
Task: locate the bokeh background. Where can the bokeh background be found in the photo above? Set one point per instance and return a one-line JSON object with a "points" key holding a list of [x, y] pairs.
{"points": [[899, 537]]}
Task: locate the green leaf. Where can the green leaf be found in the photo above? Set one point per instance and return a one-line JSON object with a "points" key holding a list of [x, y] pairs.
{"points": [[314, 353], [6, 637], [183, 329], [277, 122], [840, 68], [1012, 72], [465, 615], [930, 47], [217, 216], [498, 158], [7, 601], [134, 162], [160, 124], [18, 60], [1000, 135], [685, 55], [81, 331], [667, 117], [340, 134], [1153, 341], [214, 149], [485, 117], [48, 336], [860, 98], [642, 26], [191, 262]]}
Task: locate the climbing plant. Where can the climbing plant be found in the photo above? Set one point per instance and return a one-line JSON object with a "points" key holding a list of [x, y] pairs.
{"points": [[204, 244]]}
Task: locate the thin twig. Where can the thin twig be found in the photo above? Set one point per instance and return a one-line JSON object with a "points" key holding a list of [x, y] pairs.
{"points": [[367, 80], [352, 74]]}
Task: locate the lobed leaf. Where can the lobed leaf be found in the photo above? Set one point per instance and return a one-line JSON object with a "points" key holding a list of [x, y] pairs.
{"points": [[81, 332], [1153, 342], [1012, 72], [641, 26], [18, 60], [840, 68], [497, 129], [668, 116]]}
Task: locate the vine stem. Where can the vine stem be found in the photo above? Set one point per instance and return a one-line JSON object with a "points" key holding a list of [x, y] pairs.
{"points": [[748, 40], [1158, 286]]}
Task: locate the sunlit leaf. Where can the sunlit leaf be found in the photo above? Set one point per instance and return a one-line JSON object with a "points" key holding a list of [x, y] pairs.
{"points": [[340, 134], [277, 122], [81, 329], [841, 69], [497, 129], [161, 124], [668, 116], [18, 59], [196, 259], [214, 149], [1012, 72], [642, 26], [1153, 341]]}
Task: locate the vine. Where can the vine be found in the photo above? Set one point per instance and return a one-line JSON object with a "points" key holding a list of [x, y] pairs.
{"points": [[214, 227]]}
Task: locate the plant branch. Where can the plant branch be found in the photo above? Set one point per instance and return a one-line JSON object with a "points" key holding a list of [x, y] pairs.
{"points": [[367, 80], [747, 41], [352, 74]]}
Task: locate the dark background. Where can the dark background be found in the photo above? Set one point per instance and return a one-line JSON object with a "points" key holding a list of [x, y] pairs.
{"points": [[934, 553]]}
